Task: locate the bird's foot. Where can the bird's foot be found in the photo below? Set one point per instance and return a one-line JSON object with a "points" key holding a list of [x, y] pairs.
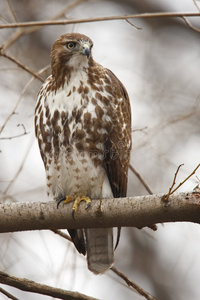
{"points": [[65, 200], [77, 200]]}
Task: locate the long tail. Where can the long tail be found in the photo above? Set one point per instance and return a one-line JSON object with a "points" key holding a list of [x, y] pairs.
{"points": [[99, 243]]}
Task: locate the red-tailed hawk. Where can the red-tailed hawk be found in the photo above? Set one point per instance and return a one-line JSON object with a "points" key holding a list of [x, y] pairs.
{"points": [[83, 127]]}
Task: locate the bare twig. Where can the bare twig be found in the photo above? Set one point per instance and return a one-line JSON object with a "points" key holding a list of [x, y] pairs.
{"points": [[19, 99], [139, 28], [8, 294], [190, 25], [17, 34], [131, 283], [17, 62], [174, 180], [12, 11], [181, 183], [24, 128], [195, 3], [19, 170], [62, 234], [141, 179], [198, 179], [166, 197], [99, 19], [140, 129], [16, 136], [33, 287]]}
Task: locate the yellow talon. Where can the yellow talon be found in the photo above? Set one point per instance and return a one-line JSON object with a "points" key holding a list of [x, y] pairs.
{"points": [[68, 199], [77, 199]]}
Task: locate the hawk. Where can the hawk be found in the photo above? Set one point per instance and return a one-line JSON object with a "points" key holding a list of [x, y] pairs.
{"points": [[83, 127]]}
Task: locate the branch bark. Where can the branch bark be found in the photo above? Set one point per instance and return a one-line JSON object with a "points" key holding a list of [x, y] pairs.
{"points": [[119, 212], [111, 18]]}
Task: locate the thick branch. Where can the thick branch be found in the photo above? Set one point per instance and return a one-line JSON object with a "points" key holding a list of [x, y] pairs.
{"points": [[122, 17], [133, 211]]}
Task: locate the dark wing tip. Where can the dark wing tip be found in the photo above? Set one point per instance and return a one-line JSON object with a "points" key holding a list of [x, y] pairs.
{"points": [[78, 240]]}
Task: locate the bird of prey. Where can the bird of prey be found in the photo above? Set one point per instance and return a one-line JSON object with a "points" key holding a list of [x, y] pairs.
{"points": [[83, 127]]}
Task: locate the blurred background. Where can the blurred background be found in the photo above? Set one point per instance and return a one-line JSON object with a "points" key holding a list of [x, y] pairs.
{"points": [[158, 61]]}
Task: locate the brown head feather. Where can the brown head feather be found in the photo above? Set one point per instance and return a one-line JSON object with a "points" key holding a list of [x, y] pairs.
{"points": [[61, 56]]}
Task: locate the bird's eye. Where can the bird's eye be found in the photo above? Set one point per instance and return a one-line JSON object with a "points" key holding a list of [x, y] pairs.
{"points": [[71, 45]]}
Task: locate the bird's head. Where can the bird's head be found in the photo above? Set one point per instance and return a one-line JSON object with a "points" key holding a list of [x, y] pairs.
{"points": [[71, 51]]}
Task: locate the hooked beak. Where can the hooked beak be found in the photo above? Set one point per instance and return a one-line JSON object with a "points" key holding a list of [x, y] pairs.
{"points": [[86, 50]]}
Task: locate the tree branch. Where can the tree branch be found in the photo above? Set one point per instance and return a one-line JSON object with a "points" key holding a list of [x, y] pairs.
{"points": [[141, 179], [111, 18], [4, 292], [2, 53], [135, 286], [133, 211], [33, 287], [17, 34]]}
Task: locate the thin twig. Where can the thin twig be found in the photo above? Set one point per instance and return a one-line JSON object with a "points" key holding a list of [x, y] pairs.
{"points": [[19, 170], [100, 19], [16, 104], [198, 179], [195, 3], [190, 25], [8, 294], [33, 287], [131, 283], [17, 62], [174, 180], [139, 28], [17, 34], [140, 129], [166, 197], [141, 179], [12, 11], [14, 136], [180, 184], [62, 234], [19, 99]]}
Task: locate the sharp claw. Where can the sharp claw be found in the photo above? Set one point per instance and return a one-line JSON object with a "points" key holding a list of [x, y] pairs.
{"points": [[77, 201], [88, 205], [73, 213], [60, 200]]}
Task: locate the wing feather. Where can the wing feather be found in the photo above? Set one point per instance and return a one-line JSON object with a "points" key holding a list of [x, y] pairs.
{"points": [[118, 145]]}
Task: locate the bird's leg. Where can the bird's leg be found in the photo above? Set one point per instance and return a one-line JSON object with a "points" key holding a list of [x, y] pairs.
{"points": [[77, 198]]}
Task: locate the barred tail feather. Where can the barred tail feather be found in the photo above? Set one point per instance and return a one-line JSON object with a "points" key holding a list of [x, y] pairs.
{"points": [[99, 243]]}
